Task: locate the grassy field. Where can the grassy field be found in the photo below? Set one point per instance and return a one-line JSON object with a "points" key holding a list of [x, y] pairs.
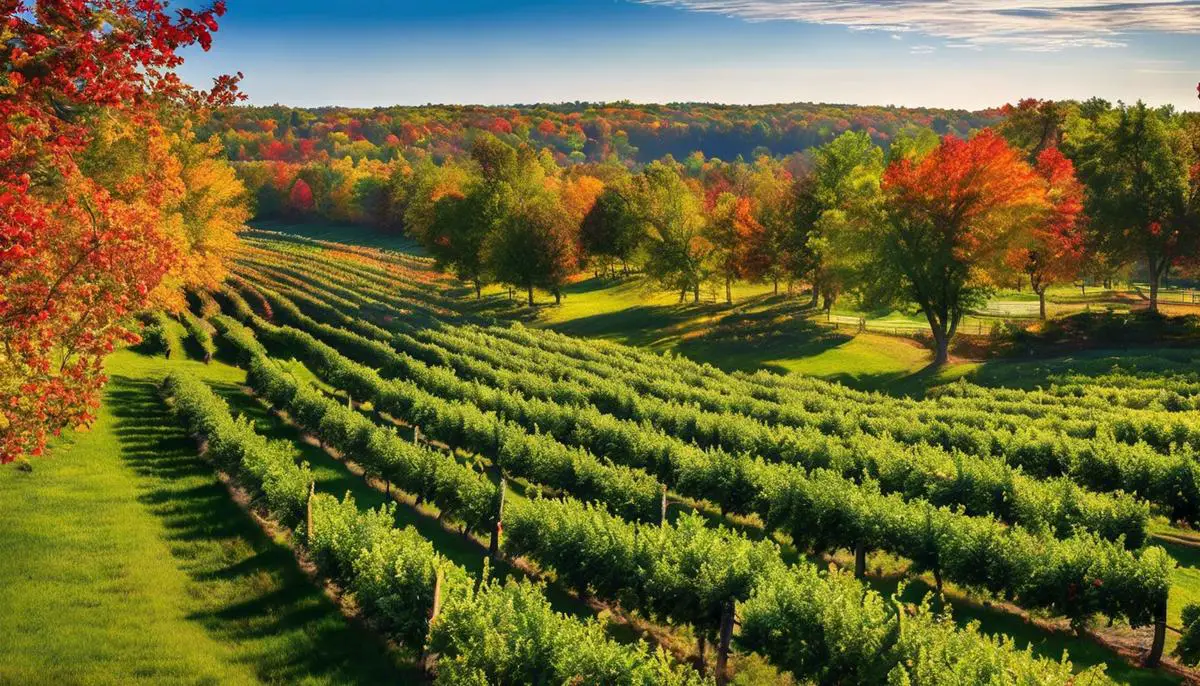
{"points": [[759, 331], [124, 560]]}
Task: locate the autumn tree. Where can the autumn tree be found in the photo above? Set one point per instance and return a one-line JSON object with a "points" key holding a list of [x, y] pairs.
{"points": [[1054, 249], [1034, 126], [677, 253], [730, 230], [1142, 191], [612, 229], [948, 218], [300, 198], [766, 251], [463, 220], [845, 190], [534, 246], [84, 245], [414, 196]]}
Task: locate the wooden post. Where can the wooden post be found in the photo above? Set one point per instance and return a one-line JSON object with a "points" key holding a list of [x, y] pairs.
{"points": [[1160, 636], [723, 647], [662, 520], [428, 658], [312, 489], [437, 598], [494, 546], [860, 560]]}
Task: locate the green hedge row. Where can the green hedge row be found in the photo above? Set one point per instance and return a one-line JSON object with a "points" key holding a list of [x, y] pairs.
{"points": [[1075, 577]]}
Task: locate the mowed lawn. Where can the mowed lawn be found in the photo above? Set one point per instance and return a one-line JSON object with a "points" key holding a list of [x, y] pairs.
{"points": [[124, 560]]}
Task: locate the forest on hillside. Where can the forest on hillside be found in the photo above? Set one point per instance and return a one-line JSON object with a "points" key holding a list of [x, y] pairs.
{"points": [[573, 132]]}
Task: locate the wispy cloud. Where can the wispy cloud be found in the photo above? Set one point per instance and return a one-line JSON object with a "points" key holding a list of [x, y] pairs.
{"points": [[1038, 25], [922, 49]]}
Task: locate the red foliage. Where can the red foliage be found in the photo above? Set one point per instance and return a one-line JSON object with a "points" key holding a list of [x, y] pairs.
{"points": [[966, 191], [301, 197], [500, 125], [1056, 247], [77, 258]]}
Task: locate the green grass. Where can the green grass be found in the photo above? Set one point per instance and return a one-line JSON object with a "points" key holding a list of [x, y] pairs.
{"points": [[124, 560], [759, 331]]}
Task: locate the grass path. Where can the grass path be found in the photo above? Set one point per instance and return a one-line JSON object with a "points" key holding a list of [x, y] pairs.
{"points": [[124, 560]]}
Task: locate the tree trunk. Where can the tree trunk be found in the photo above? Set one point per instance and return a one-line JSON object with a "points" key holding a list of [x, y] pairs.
{"points": [[812, 303], [776, 285], [494, 544], [1160, 636], [557, 297], [478, 289], [860, 560], [682, 294], [700, 645], [941, 343], [529, 291], [696, 293], [1042, 303], [1154, 279], [728, 292], [726, 637]]}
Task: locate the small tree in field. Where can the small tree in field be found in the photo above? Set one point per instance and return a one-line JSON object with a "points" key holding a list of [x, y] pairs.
{"points": [[612, 229], [844, 196], [948, 219], [677, 252], [1054, 249], [731, 230], [534, 246], [766, 252]]}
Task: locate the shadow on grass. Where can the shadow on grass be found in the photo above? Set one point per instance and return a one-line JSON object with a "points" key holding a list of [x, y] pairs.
{"points": [[246, 588]]}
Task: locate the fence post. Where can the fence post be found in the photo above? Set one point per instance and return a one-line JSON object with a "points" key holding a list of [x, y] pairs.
{"points": [[437, 598], [312, 489], [494, 546], [662, 518], [427, 657]]}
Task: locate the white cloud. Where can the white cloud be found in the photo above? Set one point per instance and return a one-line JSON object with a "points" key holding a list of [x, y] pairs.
{"points": [[1035, 25], [922, 49]]}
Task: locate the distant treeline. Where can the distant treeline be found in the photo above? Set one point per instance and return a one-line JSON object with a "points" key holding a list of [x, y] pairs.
{"points": [[573, 132]]}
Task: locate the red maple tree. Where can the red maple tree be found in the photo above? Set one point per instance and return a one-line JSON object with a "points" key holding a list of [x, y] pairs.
{"points": [[1055, 247], [80, 251], [953, 215]]}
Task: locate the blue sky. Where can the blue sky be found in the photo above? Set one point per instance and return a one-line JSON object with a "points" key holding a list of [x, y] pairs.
{"points": [[953, 53]]}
